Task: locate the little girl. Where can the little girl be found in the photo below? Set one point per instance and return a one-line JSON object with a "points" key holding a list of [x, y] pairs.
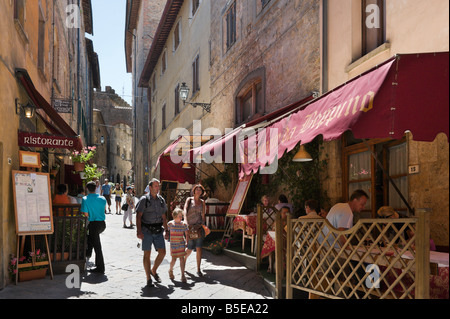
{"points": [[178, 232]]}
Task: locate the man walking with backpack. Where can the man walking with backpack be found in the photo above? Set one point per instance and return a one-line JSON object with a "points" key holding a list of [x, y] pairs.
{"points": [[150, 220]]}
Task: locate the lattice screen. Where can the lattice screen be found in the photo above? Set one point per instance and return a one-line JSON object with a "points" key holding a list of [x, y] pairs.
{"points": [[375, 260]]}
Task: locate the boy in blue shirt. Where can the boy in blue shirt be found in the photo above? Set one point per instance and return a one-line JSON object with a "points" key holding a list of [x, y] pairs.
{"points": [[94, 205]]}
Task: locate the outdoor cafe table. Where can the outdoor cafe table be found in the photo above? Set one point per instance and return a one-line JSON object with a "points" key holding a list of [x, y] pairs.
{"points": [[245, 222], [269, 244], [439, 279]]}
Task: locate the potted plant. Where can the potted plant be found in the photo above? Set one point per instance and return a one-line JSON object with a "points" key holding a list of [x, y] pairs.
{"points": [[92, 172], [30, 270], [80, 158]]}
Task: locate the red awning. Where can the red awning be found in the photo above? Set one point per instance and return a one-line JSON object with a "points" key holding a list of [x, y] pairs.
{"points": [[170, 171], [41, 103], [406, 93]]}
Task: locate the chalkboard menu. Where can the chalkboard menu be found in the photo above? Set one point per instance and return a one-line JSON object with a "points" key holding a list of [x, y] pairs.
{"points": [[32, 203]]}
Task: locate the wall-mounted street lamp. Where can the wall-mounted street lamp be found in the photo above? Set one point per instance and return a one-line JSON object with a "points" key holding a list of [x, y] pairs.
{"points": [[29, 109], [184, 93]]}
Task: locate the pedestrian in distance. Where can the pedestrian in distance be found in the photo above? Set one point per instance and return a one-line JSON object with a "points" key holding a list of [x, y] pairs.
{"points": [[118, 192], [178, 232], [129, 212], [106, 192], [194, 216], [93, 205], [150, 219]]}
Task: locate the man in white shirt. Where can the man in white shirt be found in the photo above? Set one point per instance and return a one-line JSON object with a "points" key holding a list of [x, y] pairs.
{"points": [[340, 215]]}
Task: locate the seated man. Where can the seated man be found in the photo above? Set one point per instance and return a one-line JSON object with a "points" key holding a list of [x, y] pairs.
{"points": [[341, 214]]}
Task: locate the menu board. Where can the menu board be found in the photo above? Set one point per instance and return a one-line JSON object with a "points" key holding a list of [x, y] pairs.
{"points": [[239, 195], [32, 203]]}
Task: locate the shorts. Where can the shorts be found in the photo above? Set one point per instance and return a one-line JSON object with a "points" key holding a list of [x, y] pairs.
{"points": [[118, 198], [156, 239], [195, 243]]}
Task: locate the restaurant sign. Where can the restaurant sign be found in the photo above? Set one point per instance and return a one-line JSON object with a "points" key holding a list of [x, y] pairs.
{"points": [[48, 141], [62, 105]]}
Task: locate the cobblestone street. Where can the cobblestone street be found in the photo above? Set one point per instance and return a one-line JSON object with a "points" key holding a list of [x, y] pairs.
{"points": [[125, 277]]}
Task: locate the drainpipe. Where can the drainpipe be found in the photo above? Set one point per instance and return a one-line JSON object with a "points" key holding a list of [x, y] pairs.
{"points": [[324, 46]]}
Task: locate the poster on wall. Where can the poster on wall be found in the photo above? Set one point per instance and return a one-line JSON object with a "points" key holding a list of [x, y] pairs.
{"points": [[32, 203], [239, 195]]}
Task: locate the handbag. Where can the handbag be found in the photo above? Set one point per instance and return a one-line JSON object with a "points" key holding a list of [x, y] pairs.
{"points": [[207, 230], [125, 207], [195, 232]]}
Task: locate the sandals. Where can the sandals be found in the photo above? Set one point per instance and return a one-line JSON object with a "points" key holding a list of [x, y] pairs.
{"points": [[156, 276]]}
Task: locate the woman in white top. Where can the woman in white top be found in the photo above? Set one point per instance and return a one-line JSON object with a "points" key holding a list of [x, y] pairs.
{"points": [[129, 212]]}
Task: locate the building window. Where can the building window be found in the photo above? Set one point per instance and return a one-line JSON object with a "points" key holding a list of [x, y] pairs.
{"points": [[250, 101], [154, 130], [195, 5], [177, 36], [164, 62], [163, 117], [373, 25], [153, 84], [177, 99], [19, 12], [230, 21], [196, 75], [362, 172], [41, 41]]}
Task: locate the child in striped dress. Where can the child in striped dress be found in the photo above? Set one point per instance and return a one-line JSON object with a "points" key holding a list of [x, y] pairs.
{"points": [[178, 232]]}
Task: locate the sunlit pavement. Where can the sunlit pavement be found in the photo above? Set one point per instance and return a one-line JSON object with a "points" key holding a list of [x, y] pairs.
{"points": [[125, 278]]}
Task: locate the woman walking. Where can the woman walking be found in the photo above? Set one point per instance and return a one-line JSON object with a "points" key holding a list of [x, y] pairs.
{"points": [[194, 216], [129, 212], [119, 192]]}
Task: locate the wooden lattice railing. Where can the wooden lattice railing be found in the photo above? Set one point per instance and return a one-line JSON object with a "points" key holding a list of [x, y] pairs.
{"points": [[266, 217], [373, 259]]}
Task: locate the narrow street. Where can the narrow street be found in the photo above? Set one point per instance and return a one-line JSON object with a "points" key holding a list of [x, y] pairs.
{"points": [[125, 278]]}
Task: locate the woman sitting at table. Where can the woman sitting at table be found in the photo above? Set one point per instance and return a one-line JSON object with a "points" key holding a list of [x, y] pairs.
{"points": [[268, 215], [283, 202]]}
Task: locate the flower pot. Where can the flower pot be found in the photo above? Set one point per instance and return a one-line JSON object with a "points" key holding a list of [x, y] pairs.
{"points": [[32, 274], [78, 166]]}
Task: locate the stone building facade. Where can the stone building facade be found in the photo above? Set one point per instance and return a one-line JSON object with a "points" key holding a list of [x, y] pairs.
{"points": [[142, 19], [350, 49], [42, 47], [180, 53], [265, 55], [116, 122]]}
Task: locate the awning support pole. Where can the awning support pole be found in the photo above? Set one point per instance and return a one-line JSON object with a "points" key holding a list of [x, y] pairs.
{"points": [[411, 210]]}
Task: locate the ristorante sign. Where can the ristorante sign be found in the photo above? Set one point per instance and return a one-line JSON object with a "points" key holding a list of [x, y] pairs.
{"points": [[48, 141]]}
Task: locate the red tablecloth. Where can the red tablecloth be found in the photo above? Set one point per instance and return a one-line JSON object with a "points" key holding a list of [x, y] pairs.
{"points": [[246, 223], [269, 244]]}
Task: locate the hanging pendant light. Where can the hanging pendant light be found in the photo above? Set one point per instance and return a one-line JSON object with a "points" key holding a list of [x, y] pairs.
{"points": [[186, 166], [302, 155]]}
